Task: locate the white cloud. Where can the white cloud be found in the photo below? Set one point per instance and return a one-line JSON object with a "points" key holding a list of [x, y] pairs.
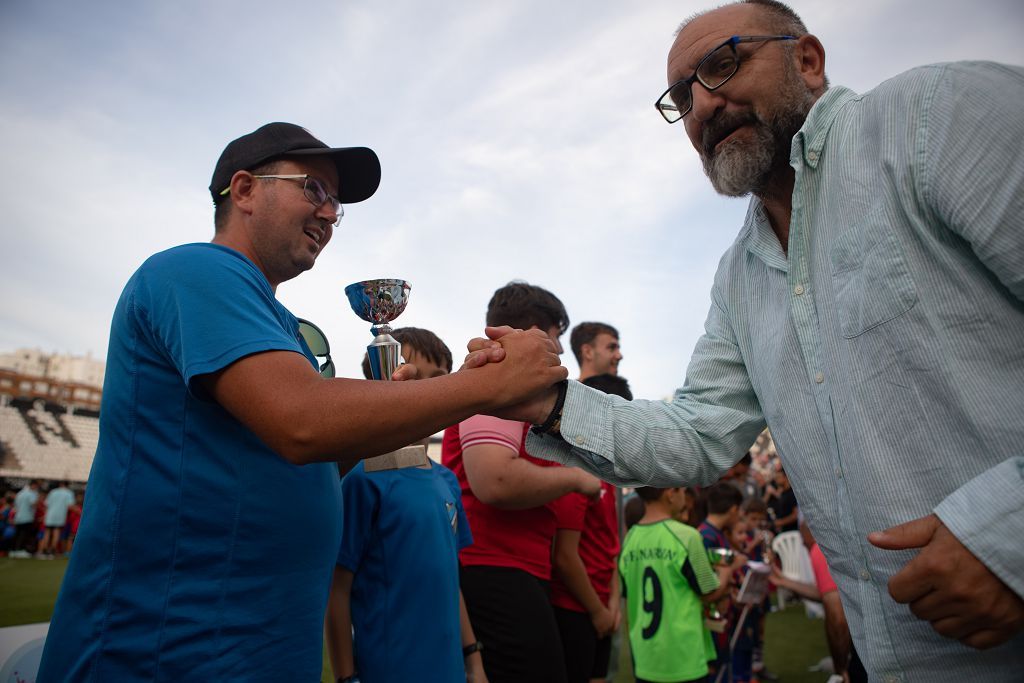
{"points": [[518, 140]]}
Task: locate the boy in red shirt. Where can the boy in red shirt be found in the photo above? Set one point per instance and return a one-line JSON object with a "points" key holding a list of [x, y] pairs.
{"points": [[511, 501], [585, 587]]}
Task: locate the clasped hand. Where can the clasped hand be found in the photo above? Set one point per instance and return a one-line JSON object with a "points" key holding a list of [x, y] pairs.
{"points": [[530, 366]]}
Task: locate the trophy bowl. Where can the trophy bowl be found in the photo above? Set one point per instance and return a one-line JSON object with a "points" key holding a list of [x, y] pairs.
{"points": [[378, 301], [720, 556]]}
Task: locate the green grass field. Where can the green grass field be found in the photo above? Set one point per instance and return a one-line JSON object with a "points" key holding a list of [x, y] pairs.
{"points": [[28, 590]]}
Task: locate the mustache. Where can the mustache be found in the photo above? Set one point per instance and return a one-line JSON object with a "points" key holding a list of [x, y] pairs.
{"points": [[720, 127]]}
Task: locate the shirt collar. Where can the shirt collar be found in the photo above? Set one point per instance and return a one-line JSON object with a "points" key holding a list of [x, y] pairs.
{"points": [[759, 239], [809, 141]]}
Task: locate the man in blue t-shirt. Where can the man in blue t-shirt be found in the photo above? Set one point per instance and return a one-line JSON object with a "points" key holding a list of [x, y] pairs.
{"points": [[212, 522]]}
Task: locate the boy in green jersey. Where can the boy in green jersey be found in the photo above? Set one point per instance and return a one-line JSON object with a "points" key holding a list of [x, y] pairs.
{"points": [[666, 579]]}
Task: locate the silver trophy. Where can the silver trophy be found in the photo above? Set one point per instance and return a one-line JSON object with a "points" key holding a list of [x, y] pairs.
{"points": [[379, 302], [714, 620]]}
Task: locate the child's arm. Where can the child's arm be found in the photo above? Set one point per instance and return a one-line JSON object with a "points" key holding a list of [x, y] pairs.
{"points": [[615, 597], [474, 662], [499, 477], [338, 625], [574, 574], [725, 578], [804, 590], [706, 575]]}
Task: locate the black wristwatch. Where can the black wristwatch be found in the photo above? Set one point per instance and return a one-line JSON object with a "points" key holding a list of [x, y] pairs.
{"points": [[471, 648]]}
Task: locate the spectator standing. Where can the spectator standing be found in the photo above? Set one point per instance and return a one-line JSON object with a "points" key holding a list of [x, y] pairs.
{"points": [[74, 519], [7, 527], [596, 348], [25, 518], [757, 546], [781, 500], [666, 579], [723, 505], [58, 500], [585, 589], [512, 502]]}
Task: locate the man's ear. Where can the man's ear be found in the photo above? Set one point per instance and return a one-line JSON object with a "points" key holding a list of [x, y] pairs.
{"points": [[243, 186], [810, 62], [587, 351]]}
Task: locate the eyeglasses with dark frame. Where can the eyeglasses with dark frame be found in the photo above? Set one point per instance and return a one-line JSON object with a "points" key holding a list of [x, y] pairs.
{"points": [[713, 71], [317, 342]]}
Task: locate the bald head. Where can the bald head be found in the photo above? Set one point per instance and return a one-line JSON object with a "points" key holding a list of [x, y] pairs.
{"points": [[779, 16], [768, 16]]}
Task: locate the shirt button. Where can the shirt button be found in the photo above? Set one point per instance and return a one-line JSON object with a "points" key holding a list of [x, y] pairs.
{"points": [[864, 575], [579, 440], [839, 473], [891, 678], [819, 378], [812, 156], [798, 290]]}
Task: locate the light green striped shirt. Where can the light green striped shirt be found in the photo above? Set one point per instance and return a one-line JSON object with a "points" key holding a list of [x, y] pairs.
{"points": [[885, 352]]}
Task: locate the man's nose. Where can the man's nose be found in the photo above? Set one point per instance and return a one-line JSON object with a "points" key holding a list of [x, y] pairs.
{"points": [[326, 211], [705, 102]]}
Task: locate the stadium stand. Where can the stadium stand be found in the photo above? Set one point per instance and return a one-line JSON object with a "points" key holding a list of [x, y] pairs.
{"points": [[43, 440]]}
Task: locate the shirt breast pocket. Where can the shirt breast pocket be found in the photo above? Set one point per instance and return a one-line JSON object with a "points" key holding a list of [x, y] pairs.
{"points": [[872, 282]]}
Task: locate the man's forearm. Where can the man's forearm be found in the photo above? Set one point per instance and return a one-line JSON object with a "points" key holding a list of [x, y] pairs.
{"points": [[306, 418], [646, 443]]}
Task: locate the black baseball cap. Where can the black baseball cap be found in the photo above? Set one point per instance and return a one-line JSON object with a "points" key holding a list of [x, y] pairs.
{"points": [[358, 167]]}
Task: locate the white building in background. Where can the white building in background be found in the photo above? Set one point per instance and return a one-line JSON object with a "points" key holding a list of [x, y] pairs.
{"points": [[55, 366]]}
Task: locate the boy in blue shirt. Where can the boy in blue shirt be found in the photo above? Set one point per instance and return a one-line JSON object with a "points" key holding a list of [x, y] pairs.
{"points": [[397, 575]]}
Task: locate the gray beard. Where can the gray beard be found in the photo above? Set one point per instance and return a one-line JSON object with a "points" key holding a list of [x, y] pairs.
{"points": [[738, 167], [741, 168]]}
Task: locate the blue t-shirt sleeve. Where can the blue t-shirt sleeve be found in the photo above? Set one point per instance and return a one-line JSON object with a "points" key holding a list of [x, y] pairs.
{"points": [[360, 508], [465, 535], [206, 306]]}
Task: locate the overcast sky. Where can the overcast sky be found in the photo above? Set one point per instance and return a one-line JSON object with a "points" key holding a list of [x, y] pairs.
{"points": [[518, 141]]}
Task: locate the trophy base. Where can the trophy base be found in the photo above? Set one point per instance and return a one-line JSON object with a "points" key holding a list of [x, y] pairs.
{"points": [[410, 456]]}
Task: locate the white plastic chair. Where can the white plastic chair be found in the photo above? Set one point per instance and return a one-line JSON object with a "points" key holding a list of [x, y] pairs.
{"points": [[796, 565]]}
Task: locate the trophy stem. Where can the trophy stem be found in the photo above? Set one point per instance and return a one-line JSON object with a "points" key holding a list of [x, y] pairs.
{"points": [[384, 352]]}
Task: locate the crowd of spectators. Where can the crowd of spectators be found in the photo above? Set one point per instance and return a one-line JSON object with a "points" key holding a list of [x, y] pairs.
{"points": [[39, 519]]}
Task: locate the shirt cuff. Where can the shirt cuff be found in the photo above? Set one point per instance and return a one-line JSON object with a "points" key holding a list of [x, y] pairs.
{"points": [[585, 433], [987, 515]]}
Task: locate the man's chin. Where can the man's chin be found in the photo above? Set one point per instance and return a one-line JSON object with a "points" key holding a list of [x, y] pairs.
{"points": [[728, 187], [734, 173]]}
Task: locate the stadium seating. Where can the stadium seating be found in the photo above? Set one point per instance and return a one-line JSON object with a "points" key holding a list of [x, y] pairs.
{"points": [[42, 441]]}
